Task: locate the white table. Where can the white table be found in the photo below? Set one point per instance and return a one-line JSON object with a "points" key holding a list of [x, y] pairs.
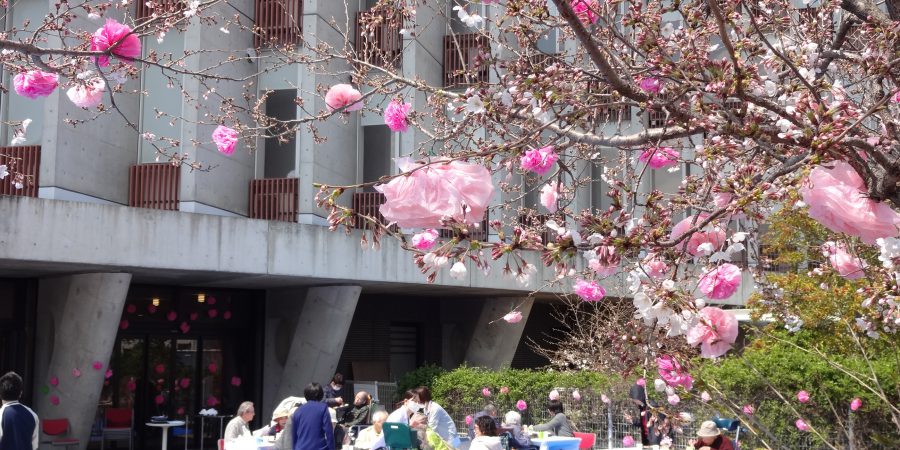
{"points": [[165, 432], [556, 442]]}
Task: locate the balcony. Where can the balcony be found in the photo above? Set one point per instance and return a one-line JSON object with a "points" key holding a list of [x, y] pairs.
{"points": [[146, 9], [278, 22], [610, 107], [274, 199], [462, 56], [538, 222], [24, 166], [378, 39], [367, 204], [154, 186], [475, 234]]}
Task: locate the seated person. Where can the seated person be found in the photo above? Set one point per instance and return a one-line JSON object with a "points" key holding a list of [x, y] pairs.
{"points": [[659, 428], [370, 435], [489, 410], [358, 414], [279, 418], [238, 426], [485, 435], [512, 422], [709, 438], [559, 425]]}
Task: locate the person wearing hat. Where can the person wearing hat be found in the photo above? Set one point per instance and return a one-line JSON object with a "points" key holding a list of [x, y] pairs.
{"points": [[709, 438], [279, 418]]}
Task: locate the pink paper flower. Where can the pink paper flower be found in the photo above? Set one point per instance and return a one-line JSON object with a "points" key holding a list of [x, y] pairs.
{"points": [[586, 11], [589, 291], [604, 398], [469, 420], [180, 411], [660, 157], [395, 116], [211, 300], [713, 235], [235, 381], [504, 390], [343, 95], [159, 399], [641, 382], [151, 308], [844, 263], [628, 441], [108, 374], [160, 368], [87, 95], [171, 316], [423, 197], [539, 161], [704, 396], [193, 316], [131, 309], [127, 44], [521, 405], [803, 396], [486, 392], [212, 313], [123, 324], [425, 240], [513, 317], [716, 331], [54, 381], [184, 327], [184, 383], [35, 83], [225, 139], [554, 395], [749, 410], [97, 365], [131, 385], [576, 395], [651, 85], [721, 282], [226, 315], [212, 401], [837, 199], [54, 400], [212, 368], [550, 196], [801, 425], [855, 404], [672, 373], [76, 373]]}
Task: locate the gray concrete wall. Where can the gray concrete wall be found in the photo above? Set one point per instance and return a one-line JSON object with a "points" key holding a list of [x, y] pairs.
{"points": [[494, 342], [283, 308], [79, 321]]}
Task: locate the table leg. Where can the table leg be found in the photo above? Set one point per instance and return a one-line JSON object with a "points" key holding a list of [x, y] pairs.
{"points": [[165, 439], [221, 432], [202, 423]]}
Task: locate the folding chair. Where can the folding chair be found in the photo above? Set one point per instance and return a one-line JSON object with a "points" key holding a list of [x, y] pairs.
{"points": [[119, 425], [587, 440], [398, 436], [57, 428]]}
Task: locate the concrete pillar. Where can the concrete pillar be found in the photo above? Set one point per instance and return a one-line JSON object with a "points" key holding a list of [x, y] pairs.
{"points": [[78, 319], [306, 344], [493, 345]]}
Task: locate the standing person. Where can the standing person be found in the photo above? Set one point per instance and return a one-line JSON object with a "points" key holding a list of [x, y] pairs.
{"points": [[711, 439], [333, 396], [485, 434], [428, 439], [309, 428], [402, 413], [438, 419], [638, 396], [559, 423], [18, 423], [239, 427]]}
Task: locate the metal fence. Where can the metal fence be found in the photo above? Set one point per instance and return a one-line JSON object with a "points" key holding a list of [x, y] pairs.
{"points": [[383, 393]]}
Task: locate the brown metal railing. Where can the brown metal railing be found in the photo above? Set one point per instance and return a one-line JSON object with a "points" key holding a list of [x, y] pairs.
{"points": [[475, 234], [154, 186], [24, 166], [278, 22], [462, 56], [378, 39], [275, 199], [146, 9], [537, 221], [610, 107], [367, 204]]}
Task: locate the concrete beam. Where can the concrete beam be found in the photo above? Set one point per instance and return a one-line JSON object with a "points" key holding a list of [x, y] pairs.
{"points": [[493, 345], [79, 320]]}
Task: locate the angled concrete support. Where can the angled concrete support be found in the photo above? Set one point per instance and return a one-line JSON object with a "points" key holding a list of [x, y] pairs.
{"points": [[493, 345]]}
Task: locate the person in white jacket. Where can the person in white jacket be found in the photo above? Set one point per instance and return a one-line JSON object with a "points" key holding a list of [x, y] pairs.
{"points": [[485, 434], [438, 419]]}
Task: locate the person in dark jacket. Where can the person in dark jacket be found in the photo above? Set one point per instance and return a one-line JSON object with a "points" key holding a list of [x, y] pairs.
{"points": [[638, 396], [334, 396], [359, 413], [309, 428], [709, 438], [18, 423]]}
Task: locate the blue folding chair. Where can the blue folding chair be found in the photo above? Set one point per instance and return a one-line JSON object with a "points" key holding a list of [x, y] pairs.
{"points": [[730, 425]]}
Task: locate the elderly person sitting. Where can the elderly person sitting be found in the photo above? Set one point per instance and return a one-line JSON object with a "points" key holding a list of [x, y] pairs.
{"points": [[369, 436], [359, 413], [517, 436], [709, 438], [239, 426]]}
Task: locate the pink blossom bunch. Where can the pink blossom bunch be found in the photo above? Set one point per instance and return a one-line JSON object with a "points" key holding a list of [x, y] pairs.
{"points": [[721, 282], [521, 405], [628, 441], [713, 235], [660, 157], [803, 396], [586, 11], [425, 240], [641, 382], [119, 37], [576, 395], [504, 390], [837, 199], [469, 420], [842, 261], [512, 317], [855, 404], [424, 196], [715, 332], [540, 160], [486, 392], [671, 372], [343, 96], [550, 196], [225, 139], [749, 410], [589, 291], [606, 262], [802, 425], [395, 116], [553, 395], [35, 83], [654, 267], [704, 397], [87, 95], [651, 85]]}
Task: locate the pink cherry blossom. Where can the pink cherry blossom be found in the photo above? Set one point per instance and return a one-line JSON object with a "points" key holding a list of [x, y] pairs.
{"points": [[801, 425], [842, 261], [749, 410], [576, 395], [855, 404], [469, 420], [395, 116], [521, 405], [425, 240], [716, 331], [586, 10], [550, 196], [513, 317], [897, 97], [721, 282], [837, 199], [35, 83], [553, 395], [225, 139], [803, 396], [651, 85], [589, 291], [606, 262], [673, 399], [660, 157], [712, 234], [704, 397], [424, 196], [87, 95], [539, 161], [628, 441], [655, 267], [671, 372], [504, 390], [343, 95], [114, 34]]}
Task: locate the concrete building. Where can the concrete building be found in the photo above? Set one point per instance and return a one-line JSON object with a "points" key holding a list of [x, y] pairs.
{"points": [[195, 294]]}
